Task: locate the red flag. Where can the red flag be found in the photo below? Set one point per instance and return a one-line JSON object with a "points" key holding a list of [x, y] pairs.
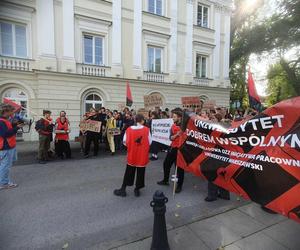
{"points": [[15, 105], [254, 99], [129, 100]]}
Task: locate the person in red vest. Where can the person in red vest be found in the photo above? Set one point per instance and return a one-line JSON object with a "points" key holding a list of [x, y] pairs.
{"points": [[171, 156], [137, 139], [8, 132], [62, 130], [44, 127]]}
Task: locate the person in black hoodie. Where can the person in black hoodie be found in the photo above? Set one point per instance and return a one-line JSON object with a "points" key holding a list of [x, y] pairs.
{"points": [[92, 136]]}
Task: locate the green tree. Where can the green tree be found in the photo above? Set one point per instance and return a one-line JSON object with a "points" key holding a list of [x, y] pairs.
{"points": [[278, 33], [279, 87]]}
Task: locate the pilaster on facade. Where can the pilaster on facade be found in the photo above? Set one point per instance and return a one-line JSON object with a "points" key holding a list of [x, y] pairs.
{"points": [[116, 49], [68, 63], [173, 40], [189, 41], [45, 34], [137, 39]]}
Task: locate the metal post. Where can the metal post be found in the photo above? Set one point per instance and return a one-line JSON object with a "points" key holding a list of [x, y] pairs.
{"points": [[159, 236]]}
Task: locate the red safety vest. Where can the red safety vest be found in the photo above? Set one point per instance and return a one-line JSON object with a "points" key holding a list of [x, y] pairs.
{"points": [[138, 146], [62, 126], [174, 130], [10, 140]]}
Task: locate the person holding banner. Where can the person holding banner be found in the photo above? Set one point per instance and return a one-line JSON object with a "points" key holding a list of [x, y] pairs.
{"points": [[110, 126], [62, 130], [171, 156], [44, 127], [214, 191], [8, 152], [137, 139], [92, 136]]}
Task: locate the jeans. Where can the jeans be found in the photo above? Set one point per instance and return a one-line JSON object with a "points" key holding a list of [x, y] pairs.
{"points": [[7, 157]]}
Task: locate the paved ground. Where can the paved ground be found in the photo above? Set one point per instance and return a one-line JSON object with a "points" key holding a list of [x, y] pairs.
{"points": [[70, 204]]}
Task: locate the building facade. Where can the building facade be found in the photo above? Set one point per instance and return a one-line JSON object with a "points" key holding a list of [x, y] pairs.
{"points": [[75, 54]]}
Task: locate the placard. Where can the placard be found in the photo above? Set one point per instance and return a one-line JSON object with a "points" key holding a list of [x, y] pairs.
{"points": [[90, 125], [191, 101], [153, 100], [161, 130]]}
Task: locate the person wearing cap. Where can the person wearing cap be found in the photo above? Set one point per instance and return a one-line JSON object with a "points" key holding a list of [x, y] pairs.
{"points": [[44, 127], [137, 139], [8, 131]]}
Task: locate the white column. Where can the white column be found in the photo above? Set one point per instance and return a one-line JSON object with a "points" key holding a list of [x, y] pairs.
{"points": [[68, 29], [45, 26], [173, 39], [226, 45], [216, 55], [189, 38], [116, 32], [137, 35]]}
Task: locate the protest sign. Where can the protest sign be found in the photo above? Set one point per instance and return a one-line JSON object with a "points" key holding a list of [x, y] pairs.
{"points": [[258, 159], [114, 131], [143, 112], [153, 100], [209, 104], [188, 101], [160, 129], [90, 125]]}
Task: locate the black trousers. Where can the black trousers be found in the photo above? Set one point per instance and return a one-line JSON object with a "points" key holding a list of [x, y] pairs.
{"points": [[129, 177], [63, 147], [214, 191], [170, 159], [156, 147], [91, 137]]}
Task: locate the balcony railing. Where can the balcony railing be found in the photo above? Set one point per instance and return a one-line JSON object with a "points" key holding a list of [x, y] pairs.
{"points": [[15, 63], [154, 77], [93, 70], [202, 81]]}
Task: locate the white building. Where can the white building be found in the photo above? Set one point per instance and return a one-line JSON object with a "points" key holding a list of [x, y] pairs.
{"points": [[74, 54]]}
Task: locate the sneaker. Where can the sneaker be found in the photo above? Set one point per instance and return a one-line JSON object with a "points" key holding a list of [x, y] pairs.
{"points": [[42, 162], [136, 192], [86, 156], [120, 192], [152, 158], [8, 186], [178, 189], [163, 183], [210, 199]]}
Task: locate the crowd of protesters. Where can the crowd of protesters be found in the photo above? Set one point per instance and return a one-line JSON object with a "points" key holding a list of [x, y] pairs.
{"points": [[119, 130]]}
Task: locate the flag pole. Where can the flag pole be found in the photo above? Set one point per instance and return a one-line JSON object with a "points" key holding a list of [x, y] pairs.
{"points": [[174, 179]]}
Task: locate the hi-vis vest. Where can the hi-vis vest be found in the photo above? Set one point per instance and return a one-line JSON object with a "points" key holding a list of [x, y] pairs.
{"points": [[62, 126], [10, 140], [138, 146]]}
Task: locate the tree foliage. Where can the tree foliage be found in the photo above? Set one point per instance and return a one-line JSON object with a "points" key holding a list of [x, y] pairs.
{"points": [[278, 85], [277, 33]]}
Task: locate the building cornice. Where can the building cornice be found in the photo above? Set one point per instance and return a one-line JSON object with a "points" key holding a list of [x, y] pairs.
{"points": [[155, 15], [146, 31], [106, 22]]}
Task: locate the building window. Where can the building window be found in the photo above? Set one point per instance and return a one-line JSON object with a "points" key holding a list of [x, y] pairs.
{"points": [[201, 66], [155, 7], [202, 16], [92, 101], [13, 39], [155, 59], [93, 49]]}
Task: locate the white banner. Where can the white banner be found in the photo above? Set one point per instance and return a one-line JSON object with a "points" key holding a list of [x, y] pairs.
{"points": [[161, 130]]}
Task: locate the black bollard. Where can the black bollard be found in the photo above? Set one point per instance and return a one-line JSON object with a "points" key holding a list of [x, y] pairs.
{"points": [[159, 236]]}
